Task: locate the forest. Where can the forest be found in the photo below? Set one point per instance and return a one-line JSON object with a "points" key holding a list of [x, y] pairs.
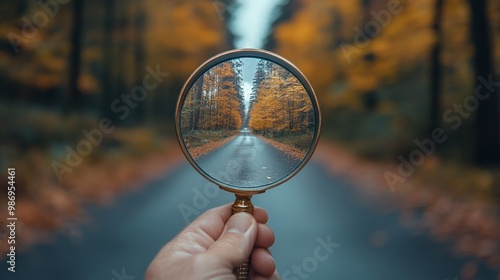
{"points": [[280, 107], [387, 75], [88, 91], [213, 108], [391, 71], [216, 100]]}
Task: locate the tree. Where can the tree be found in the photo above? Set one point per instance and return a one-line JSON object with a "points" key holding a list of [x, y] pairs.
{"points": [[75, 96], [121, 53], [435, 86], [139, 56], [198, 99], [259, 77], [108, 61], [281, 104], [215, 102], [486, 122], [22, 7]]}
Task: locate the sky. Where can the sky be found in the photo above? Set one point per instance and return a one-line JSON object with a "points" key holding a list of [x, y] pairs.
{"points": [[248, 72], [251, 22]]}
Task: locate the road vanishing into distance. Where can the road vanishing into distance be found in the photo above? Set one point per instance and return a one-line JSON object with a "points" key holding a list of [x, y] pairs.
{"points": [[247, 161], [324, 230]]}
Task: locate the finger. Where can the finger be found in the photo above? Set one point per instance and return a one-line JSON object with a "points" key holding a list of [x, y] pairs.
{"points": [[212, 221], [260, 215], [236, 242], [262, 262], [265, 236], [275, 276]]}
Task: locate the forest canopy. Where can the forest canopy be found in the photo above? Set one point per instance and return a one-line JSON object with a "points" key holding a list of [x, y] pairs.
{"points": [[215, 102], [220, 103], [281, 103]]}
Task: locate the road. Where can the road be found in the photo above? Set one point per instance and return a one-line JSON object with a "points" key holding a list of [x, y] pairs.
{"points": [[247, 161], [307, 212]]}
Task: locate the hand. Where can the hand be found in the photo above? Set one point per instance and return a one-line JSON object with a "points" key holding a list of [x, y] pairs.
{"points": [[215, 243]]}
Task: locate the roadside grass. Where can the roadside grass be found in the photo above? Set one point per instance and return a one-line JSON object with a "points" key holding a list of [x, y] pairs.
{"points": [[31, 139], [301, 141], [197, 138], [461, 179], [450, 202], [201, 142], [296, 145]]}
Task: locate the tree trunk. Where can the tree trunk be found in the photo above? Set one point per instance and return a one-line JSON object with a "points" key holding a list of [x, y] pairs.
{"points": [[120, 61], [108, 61], [21, 7], [436, 69], [486, 122], [197, 103], [139, 55], [74, 99], [369, 7]]}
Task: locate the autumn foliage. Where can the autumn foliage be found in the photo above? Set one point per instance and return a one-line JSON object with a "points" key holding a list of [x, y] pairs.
{"points": [[278, 106], [215, 102], [281, 103], [369, 63]]}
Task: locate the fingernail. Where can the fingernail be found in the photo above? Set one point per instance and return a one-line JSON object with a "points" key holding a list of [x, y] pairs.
{"points": [[239, 223]]}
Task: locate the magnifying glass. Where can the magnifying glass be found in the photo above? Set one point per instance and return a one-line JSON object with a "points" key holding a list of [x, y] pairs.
{"points": [[247, 120]]}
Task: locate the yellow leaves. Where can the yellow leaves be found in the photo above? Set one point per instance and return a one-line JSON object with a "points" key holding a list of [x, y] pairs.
{"points": [[189, 31], [87, 83], [457, 18], [307, 39], [386, 107], [313, 36], [182, 34], [215, 102], [282, 104]]}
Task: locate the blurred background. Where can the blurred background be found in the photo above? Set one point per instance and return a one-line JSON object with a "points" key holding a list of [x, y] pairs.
{"points": [[405, 180]]}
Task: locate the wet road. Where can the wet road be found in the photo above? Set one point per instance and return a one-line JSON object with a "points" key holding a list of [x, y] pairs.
{"points": [[323, 231], [247, 161]]}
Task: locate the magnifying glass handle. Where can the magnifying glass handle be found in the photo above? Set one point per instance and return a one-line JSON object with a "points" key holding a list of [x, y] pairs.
{"points": [[243, 204]]}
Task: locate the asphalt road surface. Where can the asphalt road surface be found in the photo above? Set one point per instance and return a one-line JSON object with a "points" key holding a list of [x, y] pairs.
{"points": [[247, 161], [323, 231]]}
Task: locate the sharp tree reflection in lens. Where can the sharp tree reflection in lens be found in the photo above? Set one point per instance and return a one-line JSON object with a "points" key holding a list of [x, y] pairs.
{"points": [[247, 120]]}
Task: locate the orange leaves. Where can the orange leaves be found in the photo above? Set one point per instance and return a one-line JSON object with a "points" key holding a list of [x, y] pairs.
{"points": [[322, 39], [215, 102], [281, 105], [183, 33]]}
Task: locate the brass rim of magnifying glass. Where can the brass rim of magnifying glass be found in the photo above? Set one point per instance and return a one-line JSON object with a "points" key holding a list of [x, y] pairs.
{"points": [[247, 53]]}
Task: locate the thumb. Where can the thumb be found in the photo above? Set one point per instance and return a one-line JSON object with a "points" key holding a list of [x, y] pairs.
{"points": [[236, 242]]}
